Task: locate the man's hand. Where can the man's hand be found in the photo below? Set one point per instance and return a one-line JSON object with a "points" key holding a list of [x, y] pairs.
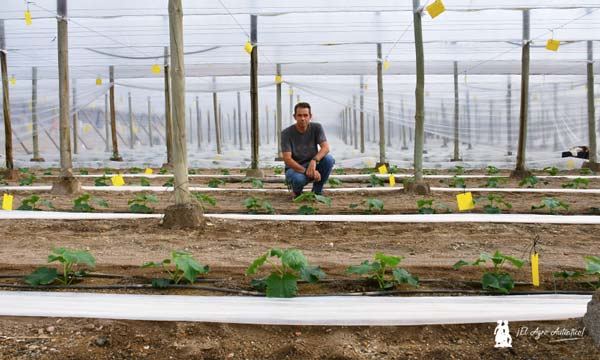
{"points": [[311, 171]]}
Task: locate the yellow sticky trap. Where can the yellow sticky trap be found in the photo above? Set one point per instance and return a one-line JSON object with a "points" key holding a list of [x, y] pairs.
{"points": [[386, 65], [13, 81], [570, 164], [369, 163], [7, 201], [290, 92], [277, 79], [148, 171], [135, 129], [382, 169], [217, 157], [436, 8], [552, 45], [117, 180], [120, 99], [27, 17], [98, 81], [93, 105], [366, 87], [465, 201], [86, 128], [392, 180], [535, 269], [248, 47], [30, 127], [156, 69], [44, 99]]}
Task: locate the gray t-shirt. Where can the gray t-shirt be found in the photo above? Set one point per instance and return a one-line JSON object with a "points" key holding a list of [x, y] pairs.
{"points": [[302, 146]]}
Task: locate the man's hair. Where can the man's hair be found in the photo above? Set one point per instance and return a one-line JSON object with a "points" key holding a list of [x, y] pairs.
{"points": [[303, 105]]}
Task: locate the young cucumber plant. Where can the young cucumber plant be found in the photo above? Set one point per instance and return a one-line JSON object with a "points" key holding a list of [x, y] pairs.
{"points": [[575, 183], [492, 170], [495, 182], [491, 208], [101, 181], [551, 170], [551, 204], [497, 278], [370, 206], [186, 267], [375, 181], [313, 201], [254, 205], [334, 182], [377, 270], [82, 203], [531, 181], [256, 183], [592, 268], [30, 203], [69, 260], [214, 183], [203, 200], [283, 281], [28, 180], [140, 203], [430, 206]]}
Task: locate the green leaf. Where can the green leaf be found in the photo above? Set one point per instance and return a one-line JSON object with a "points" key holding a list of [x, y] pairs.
{"points": [[353, 206], [364, 268], [76, 256], [390, 261], [190, 267], [424, 202], [144, 182], [137, 208], [312, 274], [258, 262], [501, 282], [516, 262], [100, 202], [282, 287], [403, 277], [41, 276], [306, 210], [47, 204], [459, 264], [24, 207], [151, 264], [489, 209], [592, 268], [592, 259], [567, 274], [161, 283], [323, 199], [294, 259], [258, 284], [426, 210], [276, 252]]}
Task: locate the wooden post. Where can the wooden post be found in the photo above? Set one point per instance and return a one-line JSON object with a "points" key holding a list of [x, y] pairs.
{"points": [[509, 117], [239, 117], [131, 134], [198, 123], [456, 104], [355, 122], [217, 114], [168, 122], [362, 115], [6, 105], [267, 122], [208, 126], [419, 186], [291, 92], [234, 133], [404, 145], [593, 161], [75, 120], [113, 120], [247, 129], [149, 121], [520, 171], [445, 123], [106, 125], [254, 168], [279, 119], [34, 119]]}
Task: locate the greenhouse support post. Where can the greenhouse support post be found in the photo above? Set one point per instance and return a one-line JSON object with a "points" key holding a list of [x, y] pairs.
{"points": [[555, 117], [402, 119], [279, 127], [509, 117], [34, 120], [239, 117], [168, 122], [267, 122], [216, 114], [66, 163], [520, 170], [254, 167], [198, 123], [149, 121], [5, 101], [106, 125], [208, 122], [593, 163], [130, 110], [362, 114], [419, 93], [234, 132], [113, 120], [455, 156], [355, 122], [75, 119], [380, 108], [247, 127], [445, 123]]}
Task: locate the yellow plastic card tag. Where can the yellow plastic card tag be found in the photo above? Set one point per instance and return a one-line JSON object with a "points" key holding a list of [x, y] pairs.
{"points": [[117, 180], [135, 129], [7, 201], [552, 45], [86, 128], [386, 65], [13, 81], [436, 8], [27, 17], [535, 269], [30, 127], [277, 79], [570, 164], [369, 163], [148, 171], [98, 81], [290, 92], [248, 47], [217, 157], [392, 180], [156, 69], [465, 201], [382, 169]]}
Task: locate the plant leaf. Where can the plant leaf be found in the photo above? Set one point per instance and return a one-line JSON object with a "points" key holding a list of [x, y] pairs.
{"points": [[391, 261], [282, 287], [403, 277], [364, 268], [312, 274], [161, 283], [191, 267], [41, 276], [258, 262], [294, 259], [459, 264]]}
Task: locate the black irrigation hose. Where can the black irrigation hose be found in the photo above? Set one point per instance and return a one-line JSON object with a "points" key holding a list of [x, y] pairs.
{"points": [[114, 276]]}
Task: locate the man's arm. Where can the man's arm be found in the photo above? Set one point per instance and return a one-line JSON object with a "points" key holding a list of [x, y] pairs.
{"points": [[311, 171], [291, 163]]}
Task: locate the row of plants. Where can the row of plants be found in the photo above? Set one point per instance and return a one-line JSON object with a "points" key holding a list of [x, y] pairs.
{"points": [[289, 266]]}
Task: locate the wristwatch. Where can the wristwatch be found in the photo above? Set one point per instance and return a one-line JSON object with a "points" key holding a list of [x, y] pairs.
{"points": [[316, 160]]}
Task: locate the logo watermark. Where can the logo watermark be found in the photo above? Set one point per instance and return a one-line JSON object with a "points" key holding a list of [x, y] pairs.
{"points": [[502, 335], [557, 334]]}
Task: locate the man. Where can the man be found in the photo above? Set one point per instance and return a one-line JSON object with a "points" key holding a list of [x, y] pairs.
{"points": [[304, 162]]}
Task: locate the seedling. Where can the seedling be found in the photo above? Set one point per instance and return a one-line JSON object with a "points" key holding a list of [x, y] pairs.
{"points": [[47, 172], [135, 170], [169, 182], [333, 182], [256, 183], [375, 181], [82, 203], [585, 171], [339, 171], [101, 181], [492, 170], [498, 278], [140, 203], [552, 204], [186, 267], [552, 171], [575, 183], [370, 205], [429, 206], [23, 170], [531, 181], [163, 171], [254, 205], [592, 267], [278, 170], [69, 259], [224, 171], [26, 181], [491, 208], [191, 172], [283, 281], [455, 182], [108, 171], [83, 172], [214, 183], [430, 172], [313, 200], [204, 199], [144, 182], [377, 270], [30, 204], [393, 169], [367, 171], [494, 182], [458, 170]]}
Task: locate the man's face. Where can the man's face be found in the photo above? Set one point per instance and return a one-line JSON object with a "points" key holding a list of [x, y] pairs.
{"points": [[302, 117]]}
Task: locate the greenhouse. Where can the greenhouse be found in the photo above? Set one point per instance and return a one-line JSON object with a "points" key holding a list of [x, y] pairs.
{"points": [[154, 201]]}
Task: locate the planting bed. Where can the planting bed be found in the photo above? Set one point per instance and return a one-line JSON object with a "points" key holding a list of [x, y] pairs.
{"points": [[229, 246]]}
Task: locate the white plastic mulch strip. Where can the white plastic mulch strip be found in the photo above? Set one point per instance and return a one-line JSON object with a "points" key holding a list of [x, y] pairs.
{"points": [[219, 176], [155, 176], [519, 190], [59, 215], [338, 310]]}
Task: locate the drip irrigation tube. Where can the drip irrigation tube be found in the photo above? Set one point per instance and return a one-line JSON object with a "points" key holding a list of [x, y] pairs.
{"points": [[320, 310]]}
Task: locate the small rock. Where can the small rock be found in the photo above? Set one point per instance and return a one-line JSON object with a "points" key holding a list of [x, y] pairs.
{"points": [[328, 331], [101, 341], [298, 333], [40, 331], [146, 347], [32, 347], [89, 327], [230, 355], [50, 329]]}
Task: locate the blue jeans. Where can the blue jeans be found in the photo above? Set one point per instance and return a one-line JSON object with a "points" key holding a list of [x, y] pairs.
{"points": [[299, 180]]}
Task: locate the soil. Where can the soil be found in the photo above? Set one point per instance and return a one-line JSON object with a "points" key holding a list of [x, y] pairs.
{"points": [[229, 246]]}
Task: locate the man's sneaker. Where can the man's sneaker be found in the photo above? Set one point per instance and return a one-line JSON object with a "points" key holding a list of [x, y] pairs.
{"points": [[295, 195]]}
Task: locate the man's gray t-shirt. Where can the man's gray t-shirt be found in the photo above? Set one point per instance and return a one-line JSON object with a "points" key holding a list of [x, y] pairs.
{"points": [[302, 146]]}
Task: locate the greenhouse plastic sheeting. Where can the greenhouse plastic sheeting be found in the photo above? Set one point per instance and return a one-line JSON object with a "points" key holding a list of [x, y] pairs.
{"points": [[363, 311]]}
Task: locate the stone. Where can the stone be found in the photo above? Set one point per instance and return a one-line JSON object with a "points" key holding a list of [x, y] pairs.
{"points": [[186, 216], [101, 341], [89, 327], [50, 329], [591, 319]]}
